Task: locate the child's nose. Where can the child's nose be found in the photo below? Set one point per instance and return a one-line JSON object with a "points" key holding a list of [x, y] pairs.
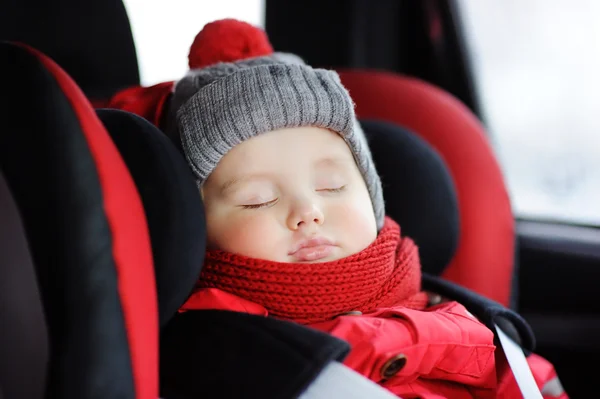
{"points": [[304, 214]]}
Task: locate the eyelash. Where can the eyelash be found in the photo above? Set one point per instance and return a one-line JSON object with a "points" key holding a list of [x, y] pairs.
{"points": [[270, 203], [334, 190], [258, 206]]}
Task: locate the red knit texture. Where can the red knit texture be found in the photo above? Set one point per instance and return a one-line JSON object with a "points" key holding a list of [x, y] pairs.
{"points": [[387, 273], [228, 40]]}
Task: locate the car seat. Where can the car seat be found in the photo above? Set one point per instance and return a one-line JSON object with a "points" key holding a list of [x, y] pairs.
{"points": [[485, 255], [90, 270], [407, 164]]}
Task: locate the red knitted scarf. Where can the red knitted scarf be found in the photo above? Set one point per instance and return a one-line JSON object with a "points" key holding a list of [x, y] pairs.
{"points": [[386, 273]]}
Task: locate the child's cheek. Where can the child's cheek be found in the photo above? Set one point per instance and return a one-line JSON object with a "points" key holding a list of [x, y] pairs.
{"points": [[247, 233]]}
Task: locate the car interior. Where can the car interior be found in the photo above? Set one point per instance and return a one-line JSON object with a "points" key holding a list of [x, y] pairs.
{"points": [[102, 231]]}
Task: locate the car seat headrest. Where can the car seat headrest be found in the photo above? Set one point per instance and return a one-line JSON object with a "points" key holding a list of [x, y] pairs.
{"points": [[484, 258], [91, 41], [24, 335], [172, 204], [86, 230], [418, 190]]}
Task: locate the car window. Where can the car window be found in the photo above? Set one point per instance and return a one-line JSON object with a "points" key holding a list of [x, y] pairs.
{"points": [[164, 30], [536, 65]]}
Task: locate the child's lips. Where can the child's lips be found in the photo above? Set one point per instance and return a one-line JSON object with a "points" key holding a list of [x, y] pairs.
{"points": [[313, 249], [318, 252]]}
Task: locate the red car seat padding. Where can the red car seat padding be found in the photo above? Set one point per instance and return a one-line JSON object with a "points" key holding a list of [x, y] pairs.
{"points": [[486, 248], [87, 232]]}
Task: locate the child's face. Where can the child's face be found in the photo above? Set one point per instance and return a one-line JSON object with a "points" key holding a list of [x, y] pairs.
{"points": [[291, 195]]}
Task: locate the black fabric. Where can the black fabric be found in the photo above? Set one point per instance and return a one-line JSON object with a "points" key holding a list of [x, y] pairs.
{"points": [[486, 310], [91, 39], [172, 204], [419, 192], [52, 175], [23, 335], [514, 290], [218, 354]]}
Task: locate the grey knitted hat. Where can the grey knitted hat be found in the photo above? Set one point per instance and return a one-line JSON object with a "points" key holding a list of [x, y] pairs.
{"points": [[221, 106]]}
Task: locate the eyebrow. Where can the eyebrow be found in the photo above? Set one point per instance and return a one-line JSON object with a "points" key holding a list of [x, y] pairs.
{"points": [[333, 161], [225, 187], [230, 183]]}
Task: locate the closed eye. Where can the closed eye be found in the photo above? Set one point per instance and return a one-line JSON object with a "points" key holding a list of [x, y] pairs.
{"points": [[261, 205], [333, 190]]}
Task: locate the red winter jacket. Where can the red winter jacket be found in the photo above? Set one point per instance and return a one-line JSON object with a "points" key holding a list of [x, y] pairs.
{"points": [[442, 352]]}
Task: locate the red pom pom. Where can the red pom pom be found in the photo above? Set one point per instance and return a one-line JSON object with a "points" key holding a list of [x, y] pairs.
{"points": [[228, 40]]}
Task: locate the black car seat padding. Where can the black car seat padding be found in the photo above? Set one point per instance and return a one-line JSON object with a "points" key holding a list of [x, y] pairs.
{"points": [[86, 229], [172, 204], [418, 190]]}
